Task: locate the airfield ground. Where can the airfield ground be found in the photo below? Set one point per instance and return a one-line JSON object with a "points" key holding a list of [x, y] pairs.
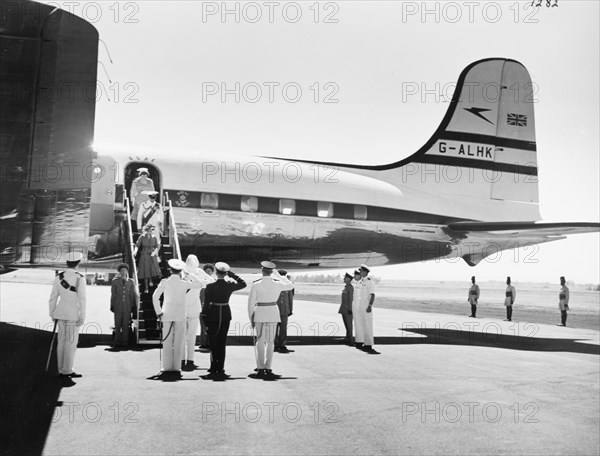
{"points": [[443, 384]]}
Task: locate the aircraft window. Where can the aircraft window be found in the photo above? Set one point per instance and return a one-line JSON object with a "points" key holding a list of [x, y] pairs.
{"points": [[249, 203], [324, 209], [209, 201], [360, 212], [287, 206]]}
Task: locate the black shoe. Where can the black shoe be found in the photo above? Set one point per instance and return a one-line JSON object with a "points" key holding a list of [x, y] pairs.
{"points": [[71, 375], [371, 351], [285, 350], [358, 345], [258, 373]]}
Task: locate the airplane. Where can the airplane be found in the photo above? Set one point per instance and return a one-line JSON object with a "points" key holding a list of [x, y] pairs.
{"points": [[469, 192]]}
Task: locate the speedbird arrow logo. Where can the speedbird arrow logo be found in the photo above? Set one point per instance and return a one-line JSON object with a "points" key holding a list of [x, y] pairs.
{"points": [[477, 112]]}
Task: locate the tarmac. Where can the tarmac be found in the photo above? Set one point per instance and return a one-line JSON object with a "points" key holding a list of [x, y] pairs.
{"points": [[443, 384]]}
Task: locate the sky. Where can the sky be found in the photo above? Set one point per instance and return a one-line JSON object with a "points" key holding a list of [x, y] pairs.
{"points": [[354, 63]]}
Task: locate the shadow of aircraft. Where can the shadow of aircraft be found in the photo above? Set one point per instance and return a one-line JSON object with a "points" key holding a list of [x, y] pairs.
{"points": [[440, 336], [28, 395]]}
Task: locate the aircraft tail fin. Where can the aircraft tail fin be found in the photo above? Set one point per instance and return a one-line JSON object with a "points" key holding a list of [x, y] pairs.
{"points": [[484, 151]]}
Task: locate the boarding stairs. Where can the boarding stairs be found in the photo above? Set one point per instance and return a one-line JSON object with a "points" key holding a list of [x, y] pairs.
{"points": [[146, 325]]}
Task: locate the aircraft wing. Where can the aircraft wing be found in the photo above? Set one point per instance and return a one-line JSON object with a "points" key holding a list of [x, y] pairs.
{"points": [[477, 240]]}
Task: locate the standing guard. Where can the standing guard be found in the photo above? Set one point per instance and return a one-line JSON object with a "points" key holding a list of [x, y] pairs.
{"points": [[346, 307], [563, 301], [359, 337], [264, 315], [172, 314], [67, 308], [473, 297], [509, 300], [365, 309], [284, 303], [217, 315], [123, 304]]}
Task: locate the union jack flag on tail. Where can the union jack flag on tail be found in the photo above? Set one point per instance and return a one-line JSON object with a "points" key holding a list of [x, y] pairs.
{"points": [[518, 120]]}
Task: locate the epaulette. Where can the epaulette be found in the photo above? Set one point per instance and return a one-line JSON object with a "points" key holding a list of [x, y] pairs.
{"points": [[79, 274], [57, 273], [257, 280]]}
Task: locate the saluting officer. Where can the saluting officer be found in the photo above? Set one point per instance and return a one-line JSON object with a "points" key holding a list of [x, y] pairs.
{"points": [[365, 310], [509, 300], [67, 308], [346, 307], [563, 301], [173, 313], [284, 303], [192, 310], [217, 314], [358, 331], [473, 297], [264, 314], [209, 269], [123, 303]]}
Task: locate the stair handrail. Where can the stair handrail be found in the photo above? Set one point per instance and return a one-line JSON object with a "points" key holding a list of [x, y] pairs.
{"points": [[133, 265], [174, 238]]}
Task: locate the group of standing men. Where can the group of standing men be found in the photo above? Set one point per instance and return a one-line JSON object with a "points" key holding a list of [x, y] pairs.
{"points": [[356, 309], [180, 310], [511, 296]]}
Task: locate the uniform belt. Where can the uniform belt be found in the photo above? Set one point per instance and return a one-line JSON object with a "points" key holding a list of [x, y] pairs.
{"points": [[266, 303], [219, 304], [509, 294], [562, 296]]}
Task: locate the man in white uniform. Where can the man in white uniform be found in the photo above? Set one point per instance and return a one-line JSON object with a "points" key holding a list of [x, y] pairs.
{"points": [[67, 308], [365, 309], [359, 337], [264, 315], [172, 313], [192, 310]]}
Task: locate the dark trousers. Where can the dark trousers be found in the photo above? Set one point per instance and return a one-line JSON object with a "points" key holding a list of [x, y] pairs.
{"points": [[473, 310], [563, 317], [122, 323], [347, 318], [217, 340], [203, 335], [281, 334], [509, 312]]}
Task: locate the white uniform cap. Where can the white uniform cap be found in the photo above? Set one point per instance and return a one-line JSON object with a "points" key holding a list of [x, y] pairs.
{"points": [[73, 257], [222, 267], [268, 265], [365, 267], [176, 264], [150, 192], [142, 170]]}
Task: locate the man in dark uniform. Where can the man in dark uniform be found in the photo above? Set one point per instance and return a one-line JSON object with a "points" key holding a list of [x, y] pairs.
{"points": [[123, 303], [284, 303], [346, 308], [217, 315]]}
